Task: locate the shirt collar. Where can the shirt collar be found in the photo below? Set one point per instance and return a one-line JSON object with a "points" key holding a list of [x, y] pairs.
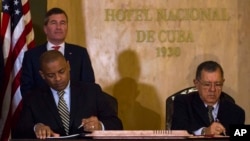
{"points": [[50, 45], [216, 105], [66, 90]]}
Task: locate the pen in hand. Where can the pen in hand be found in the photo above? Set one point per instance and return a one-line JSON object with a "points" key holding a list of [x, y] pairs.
{"points": [[80, 126], [217, 120]]}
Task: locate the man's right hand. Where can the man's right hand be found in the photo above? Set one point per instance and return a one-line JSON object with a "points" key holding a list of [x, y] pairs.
{"points": [[215, 128], [42, 131]]}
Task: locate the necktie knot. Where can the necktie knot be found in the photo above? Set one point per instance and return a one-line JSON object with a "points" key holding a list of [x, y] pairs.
{"points": [[210, 108], [210, 114], [60, 94], [56, 47]]}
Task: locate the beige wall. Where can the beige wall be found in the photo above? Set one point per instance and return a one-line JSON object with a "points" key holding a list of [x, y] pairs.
{"points": [[142, 72], [76, 21]]}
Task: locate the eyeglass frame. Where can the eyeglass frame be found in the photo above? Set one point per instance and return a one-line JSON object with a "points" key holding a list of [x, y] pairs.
{"points": [[207, 84]]}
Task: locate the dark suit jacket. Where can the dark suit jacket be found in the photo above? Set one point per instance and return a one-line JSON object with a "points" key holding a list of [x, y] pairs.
{"points": [[80, 65], [87, 100], [190, 113]]}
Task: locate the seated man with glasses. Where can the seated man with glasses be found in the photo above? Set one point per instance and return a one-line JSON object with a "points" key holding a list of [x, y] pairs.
{"points": [[206, 112]]}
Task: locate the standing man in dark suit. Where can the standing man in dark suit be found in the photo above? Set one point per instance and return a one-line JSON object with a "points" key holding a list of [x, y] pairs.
{"points": [[55, 28], [191, 113], [89, 108]]}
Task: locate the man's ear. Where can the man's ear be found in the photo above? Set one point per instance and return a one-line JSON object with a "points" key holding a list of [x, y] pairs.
{"points": [[195, 83], [41, 73], [44, 29]]}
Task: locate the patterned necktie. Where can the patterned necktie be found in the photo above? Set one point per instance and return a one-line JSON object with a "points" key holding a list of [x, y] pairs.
{"points": [[210, 114], [56, 47], [63, 111]]}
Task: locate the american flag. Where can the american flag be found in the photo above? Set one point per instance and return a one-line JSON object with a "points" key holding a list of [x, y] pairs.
{"points": [[16, 37]]}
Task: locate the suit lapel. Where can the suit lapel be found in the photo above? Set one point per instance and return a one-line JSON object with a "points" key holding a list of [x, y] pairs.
{"points": [[75, 92], [48, 97], [44, 47], [222, 111], [201, 112], [67, 52]]}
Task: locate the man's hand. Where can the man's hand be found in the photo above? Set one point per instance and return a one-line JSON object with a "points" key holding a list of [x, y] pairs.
{"points": [[215, 128], [42, 131], [92, 123]]}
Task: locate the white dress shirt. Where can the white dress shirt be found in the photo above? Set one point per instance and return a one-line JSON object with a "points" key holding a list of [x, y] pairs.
{"points": [[61, 49], [66, 96], [214, 112]]}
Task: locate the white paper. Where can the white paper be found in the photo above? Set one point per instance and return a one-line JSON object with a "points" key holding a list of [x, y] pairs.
{"points": [[62, 137]]}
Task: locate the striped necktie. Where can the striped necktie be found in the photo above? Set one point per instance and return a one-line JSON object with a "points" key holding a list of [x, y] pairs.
{"points": [[63, 111], [210, 114]]}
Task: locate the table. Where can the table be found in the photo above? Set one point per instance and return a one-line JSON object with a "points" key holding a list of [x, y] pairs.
{"points": [[135, 135]]}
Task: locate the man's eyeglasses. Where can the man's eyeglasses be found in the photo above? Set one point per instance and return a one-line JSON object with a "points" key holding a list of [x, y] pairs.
{"points": [[207, 85]]}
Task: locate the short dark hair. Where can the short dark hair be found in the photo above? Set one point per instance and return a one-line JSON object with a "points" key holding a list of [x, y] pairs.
{"points": [[53, 11], [209, 66], [50, 56]]}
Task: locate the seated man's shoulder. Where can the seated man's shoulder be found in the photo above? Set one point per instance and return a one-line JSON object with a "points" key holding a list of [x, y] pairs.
{"points": [[233, 106], [109, 96], [86, 86], [35, 94]]}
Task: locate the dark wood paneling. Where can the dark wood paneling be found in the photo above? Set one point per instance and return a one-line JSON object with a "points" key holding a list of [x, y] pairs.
{"points": [[38, 9]]}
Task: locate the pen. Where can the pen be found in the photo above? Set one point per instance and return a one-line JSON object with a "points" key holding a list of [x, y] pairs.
{"points": [[217, 120], [80, 126]]}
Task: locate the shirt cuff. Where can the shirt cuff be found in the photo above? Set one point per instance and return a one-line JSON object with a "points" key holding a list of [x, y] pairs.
{"points": [[103, 128], [198, 132]]}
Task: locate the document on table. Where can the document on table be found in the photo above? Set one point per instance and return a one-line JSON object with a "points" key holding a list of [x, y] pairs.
{"points": [[139, 134], [64, 137]]}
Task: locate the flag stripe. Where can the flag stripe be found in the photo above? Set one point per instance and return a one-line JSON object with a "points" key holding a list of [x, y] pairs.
{"points": [[4, 25], [26, 7], [16, 37]]}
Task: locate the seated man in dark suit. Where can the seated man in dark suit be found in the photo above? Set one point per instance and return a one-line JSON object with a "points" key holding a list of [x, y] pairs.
{"points": [[55, 28], [191, 113], [85, 106]]}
